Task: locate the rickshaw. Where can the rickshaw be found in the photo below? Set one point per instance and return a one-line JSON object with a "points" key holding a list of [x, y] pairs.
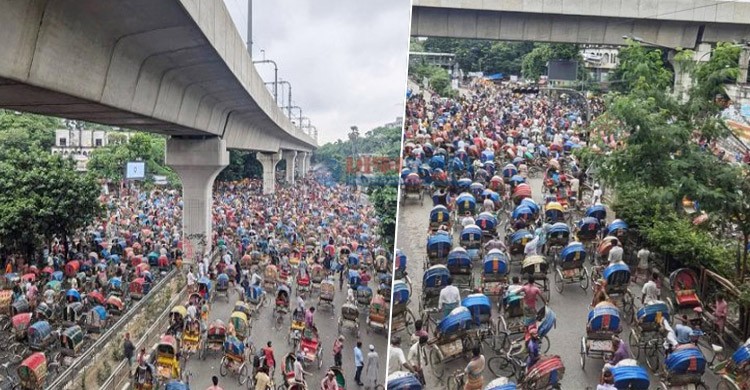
{"points": [[115, 286], [40, 336], [175, 384], [243, 307], [433, 281], [222, 286], [32, 373], [647, 331], [459, 266], [521, 192], [401, 316], [234, 360], [684, 367], [115, 306], [377, 318], [482, 326], [438, 247], [302, 283], [558, 236], [287, 373], [587, 231], [554, 212], [597, 211], [214, 340], [20, 325], [508, 172], [282, 305], [95, 298], [327, 292], [72, 268], [684, 286], [73, 314], [191, 338], [317, 275], [602, 250], [270, 276], [618, 228], [495, 270], [6, 298], [138, 288], [412, 186], [735, 371], [296, 327], [450, 339], [204, 289], [471, 240], [466, 205], [570, 268], [165, 359], [603, 323], [363, 296], [630, 377], [546, 373], [145, 377], [255, 296], [311, 348], [241, 324], [617, 277], [403, 380], [349, 318], [71, 341], [537, 267], [439, 216], [517, 241], [97, 319], [44, 312], [488, 223]]}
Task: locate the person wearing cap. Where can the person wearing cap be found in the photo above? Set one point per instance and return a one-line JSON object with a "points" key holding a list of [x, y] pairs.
{"points": [[328, 382], [372, 368], [396, 359], [338, 346]]}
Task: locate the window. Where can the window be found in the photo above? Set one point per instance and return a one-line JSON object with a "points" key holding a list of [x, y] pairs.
{"points": [[63, 142], [98, 142], [606, 58]]}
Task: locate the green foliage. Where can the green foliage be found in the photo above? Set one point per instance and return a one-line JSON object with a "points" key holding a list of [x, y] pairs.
{"points": [[242, 164], [535, 62], [709, 79], [641, 69], [109, 162], [481, 55], [42, 195], [24, 131], [385, 201], [381, 141], [439, 78]]}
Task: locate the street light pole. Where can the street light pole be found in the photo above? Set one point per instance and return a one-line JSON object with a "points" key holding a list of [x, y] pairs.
{"points": [[289, 99], [275, 77], [250, 27]]}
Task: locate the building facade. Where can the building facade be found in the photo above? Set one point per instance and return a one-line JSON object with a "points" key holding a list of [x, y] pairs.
{"points": [[600, 62], [79, 144]]}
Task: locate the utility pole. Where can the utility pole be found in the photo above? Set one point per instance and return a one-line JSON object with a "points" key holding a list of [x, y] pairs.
{"points": [[250, 27]]}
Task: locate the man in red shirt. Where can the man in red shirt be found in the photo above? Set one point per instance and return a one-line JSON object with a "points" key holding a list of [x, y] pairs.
{"points": [[530, 293]]}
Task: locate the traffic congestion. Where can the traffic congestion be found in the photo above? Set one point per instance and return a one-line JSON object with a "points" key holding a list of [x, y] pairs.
{"points": [[296, 300], [497, 212]]}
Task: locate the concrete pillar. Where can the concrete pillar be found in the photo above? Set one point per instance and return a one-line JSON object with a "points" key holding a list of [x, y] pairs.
{"points": [[303, 163], [744, 64], [269, 161], [290, 156], [308, 163], [198, 162]]}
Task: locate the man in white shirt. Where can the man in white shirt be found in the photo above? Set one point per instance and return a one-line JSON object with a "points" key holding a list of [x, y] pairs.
{"points": [[416, 356], [466, 221], [650, 290], [396, 359], [575, 185], [203, 268], [191, 280], [531, 247], [192, 311], [596, 198], [450, 298], [643, 256], [615, 254], [299, 371]]}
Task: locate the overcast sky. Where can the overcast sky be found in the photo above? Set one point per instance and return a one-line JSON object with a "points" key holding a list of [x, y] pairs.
{"points": [[346, 60]]}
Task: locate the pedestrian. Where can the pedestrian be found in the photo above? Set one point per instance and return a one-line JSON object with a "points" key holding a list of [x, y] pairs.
{"points": [[310, 317], [215, 386], [299, 370], [128, 348], [328, 382], [416, 357], [372, 369], [262, 380], [418, 331], [474, 370], [643, 257], [450, 297], [191, 280], [530, 293], [650, 291], [359, 363], [338, 346], [720, 313], [396, 358]]}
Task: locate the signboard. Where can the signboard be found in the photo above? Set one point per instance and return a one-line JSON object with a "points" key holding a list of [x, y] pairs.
{"points": [[135, 170], [513, 78], [745, 110], [160, 180], [562, 70]]}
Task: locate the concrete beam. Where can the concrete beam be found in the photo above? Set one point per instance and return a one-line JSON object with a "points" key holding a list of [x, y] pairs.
{"points": [[587, 27], [269, 161], [198, 162], [290, 156]]}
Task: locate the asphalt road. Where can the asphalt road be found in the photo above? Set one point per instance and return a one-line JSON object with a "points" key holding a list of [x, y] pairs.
{"points": [[263, 331], [571, 307]]}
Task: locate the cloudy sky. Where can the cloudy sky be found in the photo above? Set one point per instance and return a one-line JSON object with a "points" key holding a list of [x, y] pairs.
{"points": [[346, 60]]}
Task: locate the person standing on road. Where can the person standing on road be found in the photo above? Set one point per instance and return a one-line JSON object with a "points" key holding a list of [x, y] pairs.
{"points": [[191, 280], [474, 370], [128, 349], [215, 386], [643, 256], [338, 346], [359, 362], [416, 357], [262, 380], [372, 369], [450, 298], [650, 290], [299, 370], [396, 359], [530, 293]]}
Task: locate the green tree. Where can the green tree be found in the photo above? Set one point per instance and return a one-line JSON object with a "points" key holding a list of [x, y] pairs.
{"points": [[22, 130], [242, 164], [109, 162], [535, 62], [641, 68], [385, 202], [41, 196]]}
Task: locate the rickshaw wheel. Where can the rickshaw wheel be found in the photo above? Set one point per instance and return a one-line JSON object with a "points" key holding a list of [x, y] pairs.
{"points": [[584, 279], [501, 366], [223, 366], [726, 384], [436, 361], [243, 375], [652, 356], [501, 341], [583, 353], [559, 281], [633, 342], [544, 344]]}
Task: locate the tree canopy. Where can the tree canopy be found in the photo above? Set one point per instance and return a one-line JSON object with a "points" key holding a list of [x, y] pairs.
{"points": [[109, 162], [535, 62], [41, 196], [24, 131], [381, 141]]}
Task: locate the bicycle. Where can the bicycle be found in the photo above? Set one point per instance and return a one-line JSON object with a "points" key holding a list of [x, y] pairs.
{"points": [[457, 380]]}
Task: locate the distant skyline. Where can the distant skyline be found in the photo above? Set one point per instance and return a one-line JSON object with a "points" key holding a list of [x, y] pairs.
{"points": [[346, 61]]}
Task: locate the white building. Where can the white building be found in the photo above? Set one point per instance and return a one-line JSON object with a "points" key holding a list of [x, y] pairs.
{"points": [[600, 61], [79, 144]]}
